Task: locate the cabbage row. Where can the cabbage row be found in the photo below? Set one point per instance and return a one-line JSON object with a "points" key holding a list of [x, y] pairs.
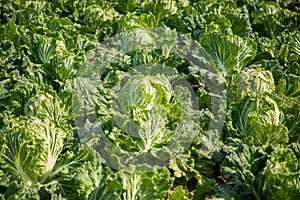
{"points": [[186, 139]]}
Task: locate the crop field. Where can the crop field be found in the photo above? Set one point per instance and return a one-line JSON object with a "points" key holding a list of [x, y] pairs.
{"points": [[149, 100]]}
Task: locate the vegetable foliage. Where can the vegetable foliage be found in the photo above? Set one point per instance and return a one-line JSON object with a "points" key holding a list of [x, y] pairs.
{"points": [[149, 100]]}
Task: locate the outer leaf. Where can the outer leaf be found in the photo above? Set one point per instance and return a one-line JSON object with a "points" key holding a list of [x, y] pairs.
{"points": [[231, 53], [259, 121], [280, 179]]}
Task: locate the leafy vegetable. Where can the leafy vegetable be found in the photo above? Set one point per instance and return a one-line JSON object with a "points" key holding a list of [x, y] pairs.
{"points": [[134, 99]]}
